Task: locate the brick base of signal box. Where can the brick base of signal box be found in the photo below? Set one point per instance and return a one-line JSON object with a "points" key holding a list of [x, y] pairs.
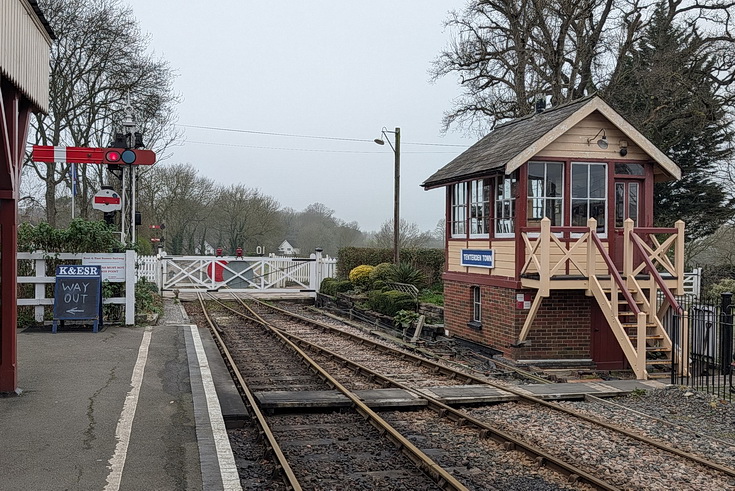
{"points": [[561, 330]]}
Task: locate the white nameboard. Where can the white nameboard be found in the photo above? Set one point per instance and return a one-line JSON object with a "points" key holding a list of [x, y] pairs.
{"points": [[113, 265]]}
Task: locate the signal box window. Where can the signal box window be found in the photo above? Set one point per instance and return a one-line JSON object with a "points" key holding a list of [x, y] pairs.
{"points": [[545, 192], [459, 210], [476, 322], [589, 195], [505, 205], [479, 208]]}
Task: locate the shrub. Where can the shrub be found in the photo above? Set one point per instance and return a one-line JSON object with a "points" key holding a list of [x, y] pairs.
{"points": [[360, 275], [80, 236], [390, 302], [344, 286], [333, 286], [429, 261], [381, 272], [328, 286], [407, 273], [405, 318], [147, 299], [435, 297]]}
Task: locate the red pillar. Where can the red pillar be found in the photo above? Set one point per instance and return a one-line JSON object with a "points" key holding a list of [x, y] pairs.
{"points": [[8, 296], [14, 119]]}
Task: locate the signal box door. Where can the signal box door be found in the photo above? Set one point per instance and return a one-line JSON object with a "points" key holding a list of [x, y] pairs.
{"points": [[628, 204]]}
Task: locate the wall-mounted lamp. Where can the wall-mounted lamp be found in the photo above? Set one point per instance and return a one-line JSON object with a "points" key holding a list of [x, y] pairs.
{"points": [[623, 148], [602, 142]]}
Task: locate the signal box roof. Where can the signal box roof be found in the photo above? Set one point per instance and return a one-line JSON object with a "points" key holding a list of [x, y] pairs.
{"points": [[514, 143]]}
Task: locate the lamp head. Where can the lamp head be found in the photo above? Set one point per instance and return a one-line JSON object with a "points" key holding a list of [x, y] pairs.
{"points": [[379, 141], [602, 142]]}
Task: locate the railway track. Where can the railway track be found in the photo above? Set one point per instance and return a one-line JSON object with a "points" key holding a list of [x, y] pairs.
{"points": [[491, 465], [326, 450], [493, 427]]}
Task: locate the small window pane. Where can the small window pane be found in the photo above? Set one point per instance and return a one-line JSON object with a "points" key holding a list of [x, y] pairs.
{"points": [[597, 181], [554, 183], [476, 304], [619, 204], [630, 169], [554, 207], [633, 202], [579, 213], [579, 180], [597, 211]]}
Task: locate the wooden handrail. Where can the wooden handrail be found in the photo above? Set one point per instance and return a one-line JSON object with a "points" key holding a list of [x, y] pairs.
{"points": [[614, 273], [637, 242], [651, 230]]}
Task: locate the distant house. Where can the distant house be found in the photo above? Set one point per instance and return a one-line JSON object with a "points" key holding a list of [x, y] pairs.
{"points": [[550, 242], [286, 249], [208, 250]]}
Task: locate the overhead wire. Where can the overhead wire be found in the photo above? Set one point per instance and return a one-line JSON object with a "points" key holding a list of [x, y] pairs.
{"points": [[302, 149], [313, 137]]}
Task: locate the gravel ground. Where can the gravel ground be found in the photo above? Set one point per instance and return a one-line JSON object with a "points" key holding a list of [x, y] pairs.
{"points": [[628, 463], [687, 420]]}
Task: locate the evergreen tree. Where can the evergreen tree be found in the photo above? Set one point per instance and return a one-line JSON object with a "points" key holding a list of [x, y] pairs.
{"points": [[666, 89]]}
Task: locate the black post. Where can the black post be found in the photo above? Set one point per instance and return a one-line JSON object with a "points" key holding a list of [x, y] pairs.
{"points": [[676, 323], [726, 333]]}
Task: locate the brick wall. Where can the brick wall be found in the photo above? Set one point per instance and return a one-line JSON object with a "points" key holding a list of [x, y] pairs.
{"points": [[561, 329]]}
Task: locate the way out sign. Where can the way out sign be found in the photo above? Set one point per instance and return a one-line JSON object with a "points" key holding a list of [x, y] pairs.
{"points": [[78, 294]]}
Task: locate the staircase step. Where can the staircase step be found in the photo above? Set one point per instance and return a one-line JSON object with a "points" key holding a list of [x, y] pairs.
{"points": [[655, 337], [657, 349], [659, 375], [663, 361]]}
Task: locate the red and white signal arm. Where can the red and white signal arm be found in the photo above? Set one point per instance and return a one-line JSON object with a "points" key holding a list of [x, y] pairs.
{"points": [[107, 200]]}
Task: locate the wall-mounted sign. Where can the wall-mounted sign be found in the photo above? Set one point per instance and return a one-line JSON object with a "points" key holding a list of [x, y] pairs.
{"points": [[478, 258], [113, 265]]}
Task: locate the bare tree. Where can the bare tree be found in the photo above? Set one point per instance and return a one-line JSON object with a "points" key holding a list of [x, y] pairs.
{"points": [[246, 218], [98, 64], [508, 54], [409, 236], [317, 227], [178, 197]]}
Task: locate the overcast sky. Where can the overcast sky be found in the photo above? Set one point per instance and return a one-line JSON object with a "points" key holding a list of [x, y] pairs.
{"points": [[323, 68]]}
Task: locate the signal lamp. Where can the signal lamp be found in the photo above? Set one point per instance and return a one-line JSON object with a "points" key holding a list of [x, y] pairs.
{"points": [[113, 156], [128, 156]]}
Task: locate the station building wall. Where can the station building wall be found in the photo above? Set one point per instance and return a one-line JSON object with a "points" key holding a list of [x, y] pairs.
{"points": [[561, 330]]}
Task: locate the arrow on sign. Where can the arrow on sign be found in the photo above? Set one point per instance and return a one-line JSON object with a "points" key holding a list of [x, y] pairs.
{"points": [[74, 310]]}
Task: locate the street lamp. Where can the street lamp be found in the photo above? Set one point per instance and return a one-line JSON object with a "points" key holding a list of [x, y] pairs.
{"points": [[397, 186]]}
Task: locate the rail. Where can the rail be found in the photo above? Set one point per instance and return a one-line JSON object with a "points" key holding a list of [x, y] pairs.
{"points": [[424, 462]]}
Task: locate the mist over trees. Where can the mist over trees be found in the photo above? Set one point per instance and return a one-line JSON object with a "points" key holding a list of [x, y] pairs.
{"points": [[200, 216]]}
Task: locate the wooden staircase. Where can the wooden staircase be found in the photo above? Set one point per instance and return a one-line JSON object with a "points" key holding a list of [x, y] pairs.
{"points": [[652, 358], [629, 300]]}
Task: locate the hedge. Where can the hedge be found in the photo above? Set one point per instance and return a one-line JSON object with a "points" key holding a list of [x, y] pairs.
{"points": [[429, 261]]}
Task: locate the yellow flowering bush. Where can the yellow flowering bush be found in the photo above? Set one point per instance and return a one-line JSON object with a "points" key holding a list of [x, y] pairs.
{"points": [[360, 275]]}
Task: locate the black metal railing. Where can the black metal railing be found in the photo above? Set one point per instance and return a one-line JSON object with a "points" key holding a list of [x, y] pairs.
{"points": [[708, 342]]}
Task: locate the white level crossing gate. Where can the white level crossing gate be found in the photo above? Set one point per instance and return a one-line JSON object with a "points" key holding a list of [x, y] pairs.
{"points": [[245, 274]]}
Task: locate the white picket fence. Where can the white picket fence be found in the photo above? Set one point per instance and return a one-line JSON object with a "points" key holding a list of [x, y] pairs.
{"points": [[40, 279]]}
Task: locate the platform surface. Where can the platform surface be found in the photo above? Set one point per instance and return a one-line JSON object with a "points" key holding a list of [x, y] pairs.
{"points": [[126, 408]]}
